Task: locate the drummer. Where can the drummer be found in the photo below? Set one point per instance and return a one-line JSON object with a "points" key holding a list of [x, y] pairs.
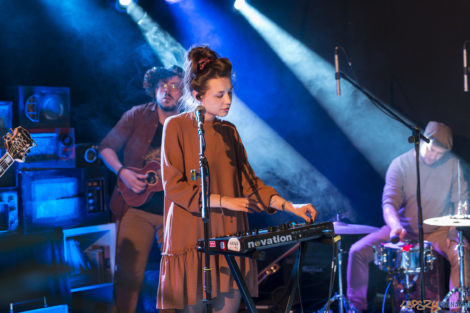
{"points": [[439, 197]]}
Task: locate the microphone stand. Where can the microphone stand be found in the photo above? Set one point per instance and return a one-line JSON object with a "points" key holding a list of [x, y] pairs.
{"points": [[204, 175], [414, 138]]}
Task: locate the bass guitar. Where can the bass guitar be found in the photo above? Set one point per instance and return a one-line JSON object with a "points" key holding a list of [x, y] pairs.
{"points": [[18, 142], [153, 180]]}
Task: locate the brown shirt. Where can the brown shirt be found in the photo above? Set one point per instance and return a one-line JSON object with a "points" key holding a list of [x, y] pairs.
{"points": [[133, 133], [230, 175]]}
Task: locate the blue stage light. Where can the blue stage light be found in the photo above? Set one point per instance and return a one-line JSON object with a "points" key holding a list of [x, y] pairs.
{"points": [[380, 140], [239, 4], [124, 3], [167, 49]]}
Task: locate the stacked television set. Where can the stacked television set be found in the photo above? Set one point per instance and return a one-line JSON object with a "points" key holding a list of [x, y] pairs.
{"points": [[62, 184], [54, 187]]}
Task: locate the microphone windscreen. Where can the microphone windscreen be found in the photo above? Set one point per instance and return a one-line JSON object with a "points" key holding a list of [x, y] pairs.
{"points": [[199, 112], [200, 109]]}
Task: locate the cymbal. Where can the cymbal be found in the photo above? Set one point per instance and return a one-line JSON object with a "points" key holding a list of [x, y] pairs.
{"points": [[449, 220], [353, 229]]}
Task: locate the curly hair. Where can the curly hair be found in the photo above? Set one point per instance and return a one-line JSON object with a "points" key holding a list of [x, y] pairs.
{"points": [[156, 74], [201, 65]]}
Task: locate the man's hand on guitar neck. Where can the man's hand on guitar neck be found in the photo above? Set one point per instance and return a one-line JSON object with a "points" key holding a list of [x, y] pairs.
{"points": [[134, 181]]}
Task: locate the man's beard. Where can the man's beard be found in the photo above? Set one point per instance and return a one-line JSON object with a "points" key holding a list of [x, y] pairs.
{"points": [[167, 109]]}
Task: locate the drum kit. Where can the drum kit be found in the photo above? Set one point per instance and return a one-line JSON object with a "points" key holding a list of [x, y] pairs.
{"points": [[461, 219], [401, 259], [345, 229]]}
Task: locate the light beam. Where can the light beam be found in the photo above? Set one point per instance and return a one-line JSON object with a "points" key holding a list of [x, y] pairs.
{"points": [[378, 137]]}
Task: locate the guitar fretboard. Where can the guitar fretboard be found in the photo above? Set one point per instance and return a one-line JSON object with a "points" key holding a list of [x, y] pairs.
{"points": [[5, 162]]}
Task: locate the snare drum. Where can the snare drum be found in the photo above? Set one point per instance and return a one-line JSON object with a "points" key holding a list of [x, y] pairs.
{"points": [[403, 257]]}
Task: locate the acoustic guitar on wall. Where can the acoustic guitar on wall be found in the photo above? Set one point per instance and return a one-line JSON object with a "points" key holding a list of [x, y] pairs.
{"points": [[153, 180]]}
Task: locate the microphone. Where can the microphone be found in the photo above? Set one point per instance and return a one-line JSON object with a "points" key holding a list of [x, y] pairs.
{"points": [[465, 69], [337, 76], [199, 112], [395, 239]]}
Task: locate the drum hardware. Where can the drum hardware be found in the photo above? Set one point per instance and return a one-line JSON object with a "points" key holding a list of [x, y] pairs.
{"points": [[408, 286], [461, 289], [460, 219], [403, 258], [401, 262], [342, 228], [344, 304]]}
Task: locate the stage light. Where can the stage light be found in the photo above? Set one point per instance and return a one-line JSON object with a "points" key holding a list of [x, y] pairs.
{"points": [[173, 1], [378, 137], [169, 51], [281, 165], [239, 4], [125, 3], [43, 106]]}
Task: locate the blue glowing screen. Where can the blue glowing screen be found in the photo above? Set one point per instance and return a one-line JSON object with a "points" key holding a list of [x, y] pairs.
{"points": [[46, 145], [55, 198]]}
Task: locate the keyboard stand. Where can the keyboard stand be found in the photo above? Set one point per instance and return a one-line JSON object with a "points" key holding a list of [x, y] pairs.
{"points": [[293, 284]]}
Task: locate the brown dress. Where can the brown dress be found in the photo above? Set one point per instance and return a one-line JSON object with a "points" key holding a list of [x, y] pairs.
{"points": [[181, 275]]}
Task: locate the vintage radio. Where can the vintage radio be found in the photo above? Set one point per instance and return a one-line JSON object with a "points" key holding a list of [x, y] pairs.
{"points": [[55, 148], [66, 198]]}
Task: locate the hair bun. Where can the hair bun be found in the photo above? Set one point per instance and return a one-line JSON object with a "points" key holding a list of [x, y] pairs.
{"points": [[202, 63]]}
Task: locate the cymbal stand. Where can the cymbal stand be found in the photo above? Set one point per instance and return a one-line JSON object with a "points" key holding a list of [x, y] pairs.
{"points": [[461, 289], [344, 304]]}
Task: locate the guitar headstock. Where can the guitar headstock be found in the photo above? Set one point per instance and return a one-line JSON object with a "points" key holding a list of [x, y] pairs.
{"points": [[18, 142]]}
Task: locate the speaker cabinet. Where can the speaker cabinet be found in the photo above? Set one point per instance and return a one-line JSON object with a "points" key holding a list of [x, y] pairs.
{"points": [[314, 279], [87, 155], [43, 106]]}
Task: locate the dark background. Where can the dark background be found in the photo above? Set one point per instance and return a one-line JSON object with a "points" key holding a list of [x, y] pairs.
{"points": [[408, 54]]}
